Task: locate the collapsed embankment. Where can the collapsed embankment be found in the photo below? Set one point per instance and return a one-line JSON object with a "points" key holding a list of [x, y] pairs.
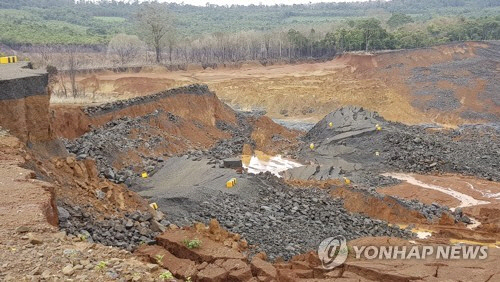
{"points": [[39, 176], [193, 102], [131, 136], [449, 84], [24, 103]]}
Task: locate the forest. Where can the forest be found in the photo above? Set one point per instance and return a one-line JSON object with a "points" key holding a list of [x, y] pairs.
{"points": [[218, 34]]}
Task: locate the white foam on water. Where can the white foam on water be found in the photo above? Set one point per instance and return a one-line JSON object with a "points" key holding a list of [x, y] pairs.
{"points": [[465, 200], [423, 234], [487, 194], [275, 165]]}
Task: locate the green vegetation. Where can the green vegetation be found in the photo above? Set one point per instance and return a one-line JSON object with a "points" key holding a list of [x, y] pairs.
{"points": [[167, 275], [159, 259], [82, 237], [91, 23], [136, 33], [192, 244], [101, 265]]}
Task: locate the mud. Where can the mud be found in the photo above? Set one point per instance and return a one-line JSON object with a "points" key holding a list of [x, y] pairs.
{"points": [[450, 84]]}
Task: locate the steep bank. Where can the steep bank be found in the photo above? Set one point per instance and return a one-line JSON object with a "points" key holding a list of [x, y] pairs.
{"points": [[193, 102], [128, 137], [24, 102]]}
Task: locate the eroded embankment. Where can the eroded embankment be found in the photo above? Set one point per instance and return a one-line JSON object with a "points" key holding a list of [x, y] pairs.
{"points": [[448, 84], [193, 102], [451, 84], [131, 136]]}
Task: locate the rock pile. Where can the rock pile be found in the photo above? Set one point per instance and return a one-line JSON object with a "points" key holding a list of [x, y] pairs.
{"points": [[136, 134], [283, 221], [474, 150], [343, 123], [127, 233], [240, 135], [103, 144], [348, 144]]}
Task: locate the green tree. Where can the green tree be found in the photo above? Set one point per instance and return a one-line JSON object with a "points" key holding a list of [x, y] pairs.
{"points": [[372, 32], [399, 19]]}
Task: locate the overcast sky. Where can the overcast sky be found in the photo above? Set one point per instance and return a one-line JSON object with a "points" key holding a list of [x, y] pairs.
{"points": [[256, 2]]}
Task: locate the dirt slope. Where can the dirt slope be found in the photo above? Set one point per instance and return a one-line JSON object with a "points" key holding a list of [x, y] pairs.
{"points": [[128, 137], [448, 84]]}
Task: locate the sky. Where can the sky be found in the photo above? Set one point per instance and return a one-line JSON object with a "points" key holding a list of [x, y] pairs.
{"points": [[256, 2]]}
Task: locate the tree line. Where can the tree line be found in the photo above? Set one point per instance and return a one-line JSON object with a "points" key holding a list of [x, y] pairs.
{"points": [[371, 34], [136, 33]]}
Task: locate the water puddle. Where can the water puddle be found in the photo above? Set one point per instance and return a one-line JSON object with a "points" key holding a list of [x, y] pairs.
{"points": [[420, 232], [487, 194], [261, 162], [465, 200]]}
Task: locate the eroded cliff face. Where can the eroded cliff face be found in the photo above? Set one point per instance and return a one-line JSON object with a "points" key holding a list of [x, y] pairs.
{"points": [[194, 103], [24, 103]]}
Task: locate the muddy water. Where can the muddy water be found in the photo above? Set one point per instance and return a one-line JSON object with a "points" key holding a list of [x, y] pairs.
{"points": [[465, 200], [263, 163], [487, 194], [296, 124]]}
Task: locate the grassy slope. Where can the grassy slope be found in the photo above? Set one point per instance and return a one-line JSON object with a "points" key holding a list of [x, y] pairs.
{"points": [[29, 25]]}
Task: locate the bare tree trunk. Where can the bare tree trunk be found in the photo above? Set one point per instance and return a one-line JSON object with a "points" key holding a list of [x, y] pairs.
{"points": [[63, 84], [280, 48], [158, 53], [72, 72]]}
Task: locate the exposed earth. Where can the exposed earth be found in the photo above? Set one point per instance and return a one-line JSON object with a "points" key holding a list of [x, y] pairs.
{"points": [[447, 85], [153, 178]]}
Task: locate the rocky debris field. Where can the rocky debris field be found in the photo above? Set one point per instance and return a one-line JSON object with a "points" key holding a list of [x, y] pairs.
{"points": [[126, 232], [274, 217], [278, 219], [473, 150], [240, 135], [348, 144], [104, 144], [32, 256]]}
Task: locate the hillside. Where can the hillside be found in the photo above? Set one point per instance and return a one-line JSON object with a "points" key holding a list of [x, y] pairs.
{"points": [[62, 21], [448, 84]]}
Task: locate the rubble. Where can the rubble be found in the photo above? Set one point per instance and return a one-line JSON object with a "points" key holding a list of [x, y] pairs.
{"points": [[126, 232], [284, 221], [354, 148]]}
